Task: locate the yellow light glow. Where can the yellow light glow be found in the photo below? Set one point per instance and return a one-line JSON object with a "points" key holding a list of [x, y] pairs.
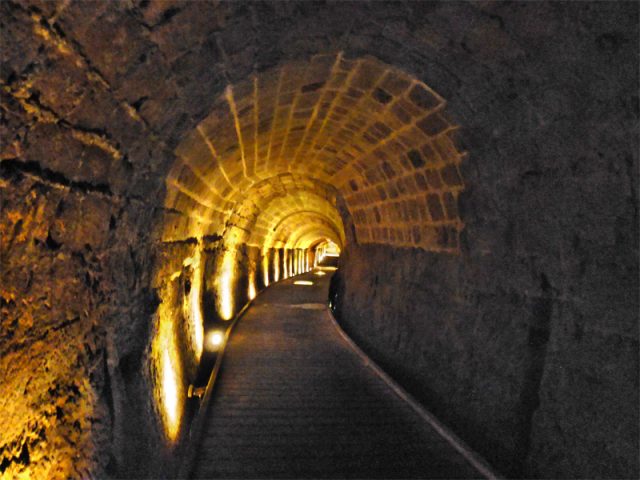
{"points": [[291, 264], [332, 249], [214, 340], [168, 390], [286, 272], [303, 282], [276, 265], [170, 396], [170, 377], [225, 285], [252, 285], [193, 308], [320, 273], [196, 318]]}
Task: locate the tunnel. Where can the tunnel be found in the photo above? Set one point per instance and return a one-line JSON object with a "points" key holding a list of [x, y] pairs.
{"points": [[461, 178]]}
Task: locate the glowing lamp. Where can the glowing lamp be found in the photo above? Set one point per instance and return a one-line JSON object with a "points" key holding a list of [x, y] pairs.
{"points": [[302, 282], [172, 413], [226, 282], [251, 290], [214, 340]]}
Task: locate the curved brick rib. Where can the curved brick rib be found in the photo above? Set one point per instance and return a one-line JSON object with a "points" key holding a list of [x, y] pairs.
{"points": [[294, 401]]}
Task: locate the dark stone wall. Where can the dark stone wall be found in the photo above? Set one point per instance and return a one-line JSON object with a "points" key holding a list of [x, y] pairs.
{"points": [[526, 343], [533, 327], [485, 358]]}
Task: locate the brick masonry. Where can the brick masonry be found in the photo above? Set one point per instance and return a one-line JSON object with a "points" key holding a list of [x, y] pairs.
{"points": [[358, 126]]}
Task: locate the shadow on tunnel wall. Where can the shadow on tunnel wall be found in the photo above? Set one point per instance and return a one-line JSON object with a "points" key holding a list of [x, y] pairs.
{"points": [[494, 364]]}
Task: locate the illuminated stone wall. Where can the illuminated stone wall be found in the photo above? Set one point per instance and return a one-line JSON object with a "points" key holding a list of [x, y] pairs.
{"points": [[76, 293], [372, 132], [477, 163]]}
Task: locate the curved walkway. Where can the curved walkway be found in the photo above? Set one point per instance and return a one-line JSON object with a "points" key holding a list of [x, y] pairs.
{"points": [[294, 400]]}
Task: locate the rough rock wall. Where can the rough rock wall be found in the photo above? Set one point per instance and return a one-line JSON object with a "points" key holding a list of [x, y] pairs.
{"points": [[527, 342], [75, 259], [95, 99], [43, 415], [63, 341]]}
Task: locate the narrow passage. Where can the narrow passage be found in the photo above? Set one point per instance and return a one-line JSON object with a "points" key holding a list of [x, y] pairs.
{"points": [[293, 400]]}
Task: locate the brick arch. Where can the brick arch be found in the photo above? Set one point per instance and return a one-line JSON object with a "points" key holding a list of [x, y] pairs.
{"points": [[375, 135], [300, 228], [287, 213]]}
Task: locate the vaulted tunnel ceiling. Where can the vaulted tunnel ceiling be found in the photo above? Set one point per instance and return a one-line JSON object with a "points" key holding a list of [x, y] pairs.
{"points": [[278, 149]]}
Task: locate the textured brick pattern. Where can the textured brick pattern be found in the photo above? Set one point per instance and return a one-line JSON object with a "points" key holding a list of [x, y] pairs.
{"points": [[278, 211], [294, 401], [377, 135]]}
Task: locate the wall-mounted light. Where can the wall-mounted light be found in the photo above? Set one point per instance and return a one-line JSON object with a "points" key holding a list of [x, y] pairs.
{"points": [[171, 404], [215, 339], [225, 285], [168, 380], [251, 292], [276, 265], [192, 307]]}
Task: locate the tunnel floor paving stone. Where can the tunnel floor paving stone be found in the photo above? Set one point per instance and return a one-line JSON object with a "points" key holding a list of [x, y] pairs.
{"points": [[293, 400]]}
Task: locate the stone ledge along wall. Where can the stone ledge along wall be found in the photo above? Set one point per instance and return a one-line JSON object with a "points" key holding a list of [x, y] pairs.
{"points": [[491, 267]]}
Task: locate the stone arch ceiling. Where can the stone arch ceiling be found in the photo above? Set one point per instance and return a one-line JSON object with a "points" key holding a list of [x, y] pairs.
{"points": [[331, 126], [285, 200]]}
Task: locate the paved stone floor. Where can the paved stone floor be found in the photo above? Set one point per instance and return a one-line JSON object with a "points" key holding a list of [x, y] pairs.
{"points": [[294, 401]]}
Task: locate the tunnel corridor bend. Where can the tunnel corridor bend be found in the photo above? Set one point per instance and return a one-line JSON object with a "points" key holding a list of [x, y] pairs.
{"points": [[294, 400]]}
